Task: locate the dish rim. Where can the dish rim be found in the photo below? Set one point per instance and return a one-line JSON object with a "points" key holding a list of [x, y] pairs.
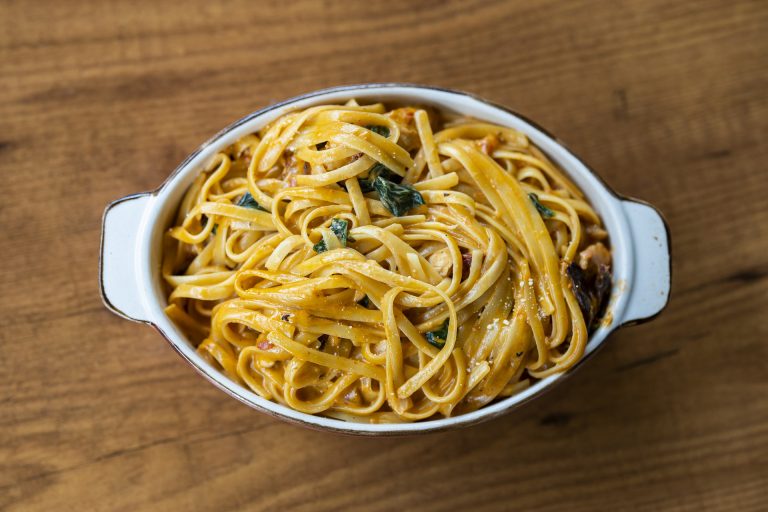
{"points": [[488, 412]]}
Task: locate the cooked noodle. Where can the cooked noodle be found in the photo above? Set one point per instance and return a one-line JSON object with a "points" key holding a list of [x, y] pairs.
{"points": [[385, 265]]}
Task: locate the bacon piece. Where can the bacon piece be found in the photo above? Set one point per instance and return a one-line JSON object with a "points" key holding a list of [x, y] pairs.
{"points": [[595, 255], [409, 136], [466, 264], [595, 232], [488, 144]]}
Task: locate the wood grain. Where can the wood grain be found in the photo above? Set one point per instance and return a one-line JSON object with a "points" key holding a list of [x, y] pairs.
{"points": [[102, 99]]}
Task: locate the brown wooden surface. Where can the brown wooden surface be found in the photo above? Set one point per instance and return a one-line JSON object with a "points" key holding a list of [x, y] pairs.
{"points": [[102, 99]]}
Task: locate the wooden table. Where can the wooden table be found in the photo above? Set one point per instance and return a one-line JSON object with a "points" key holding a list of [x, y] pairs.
{"points": [[666, 99]]}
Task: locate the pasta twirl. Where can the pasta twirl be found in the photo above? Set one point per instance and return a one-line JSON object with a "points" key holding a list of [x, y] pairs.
{"points": [[385, 265]]}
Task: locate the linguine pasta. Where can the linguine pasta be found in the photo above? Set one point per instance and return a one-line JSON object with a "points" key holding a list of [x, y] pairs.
{"points": [[385, 265]]}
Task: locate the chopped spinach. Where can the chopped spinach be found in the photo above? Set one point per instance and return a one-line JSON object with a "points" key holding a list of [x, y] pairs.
{"points": [[381, 130], [437, 338], [340, 228], [398, 199], [320, 246], [543, 210], [366, 184], [204, 222], [248, 201]]}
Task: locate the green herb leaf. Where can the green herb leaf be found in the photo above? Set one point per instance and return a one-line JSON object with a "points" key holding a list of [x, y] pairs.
{"points": [[249, 202], [320, 247], [365, 302], [381, 130], [340, 228], [437, 338], [204, 222], [543, 210], [366, 184], [398, 199]]}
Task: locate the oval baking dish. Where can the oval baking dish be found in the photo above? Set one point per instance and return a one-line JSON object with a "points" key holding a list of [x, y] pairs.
{"points": [[133, 226]]}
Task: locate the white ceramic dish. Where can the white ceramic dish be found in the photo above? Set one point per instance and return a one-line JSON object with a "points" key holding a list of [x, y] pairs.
{"points": [[133, 227]]}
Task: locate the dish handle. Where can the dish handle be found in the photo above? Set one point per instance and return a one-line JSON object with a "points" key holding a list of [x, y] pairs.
{"points": [[649, 294], [118, 269]]}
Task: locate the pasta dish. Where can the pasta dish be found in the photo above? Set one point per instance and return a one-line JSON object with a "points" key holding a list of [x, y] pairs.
{"points": [[384, 263]]}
